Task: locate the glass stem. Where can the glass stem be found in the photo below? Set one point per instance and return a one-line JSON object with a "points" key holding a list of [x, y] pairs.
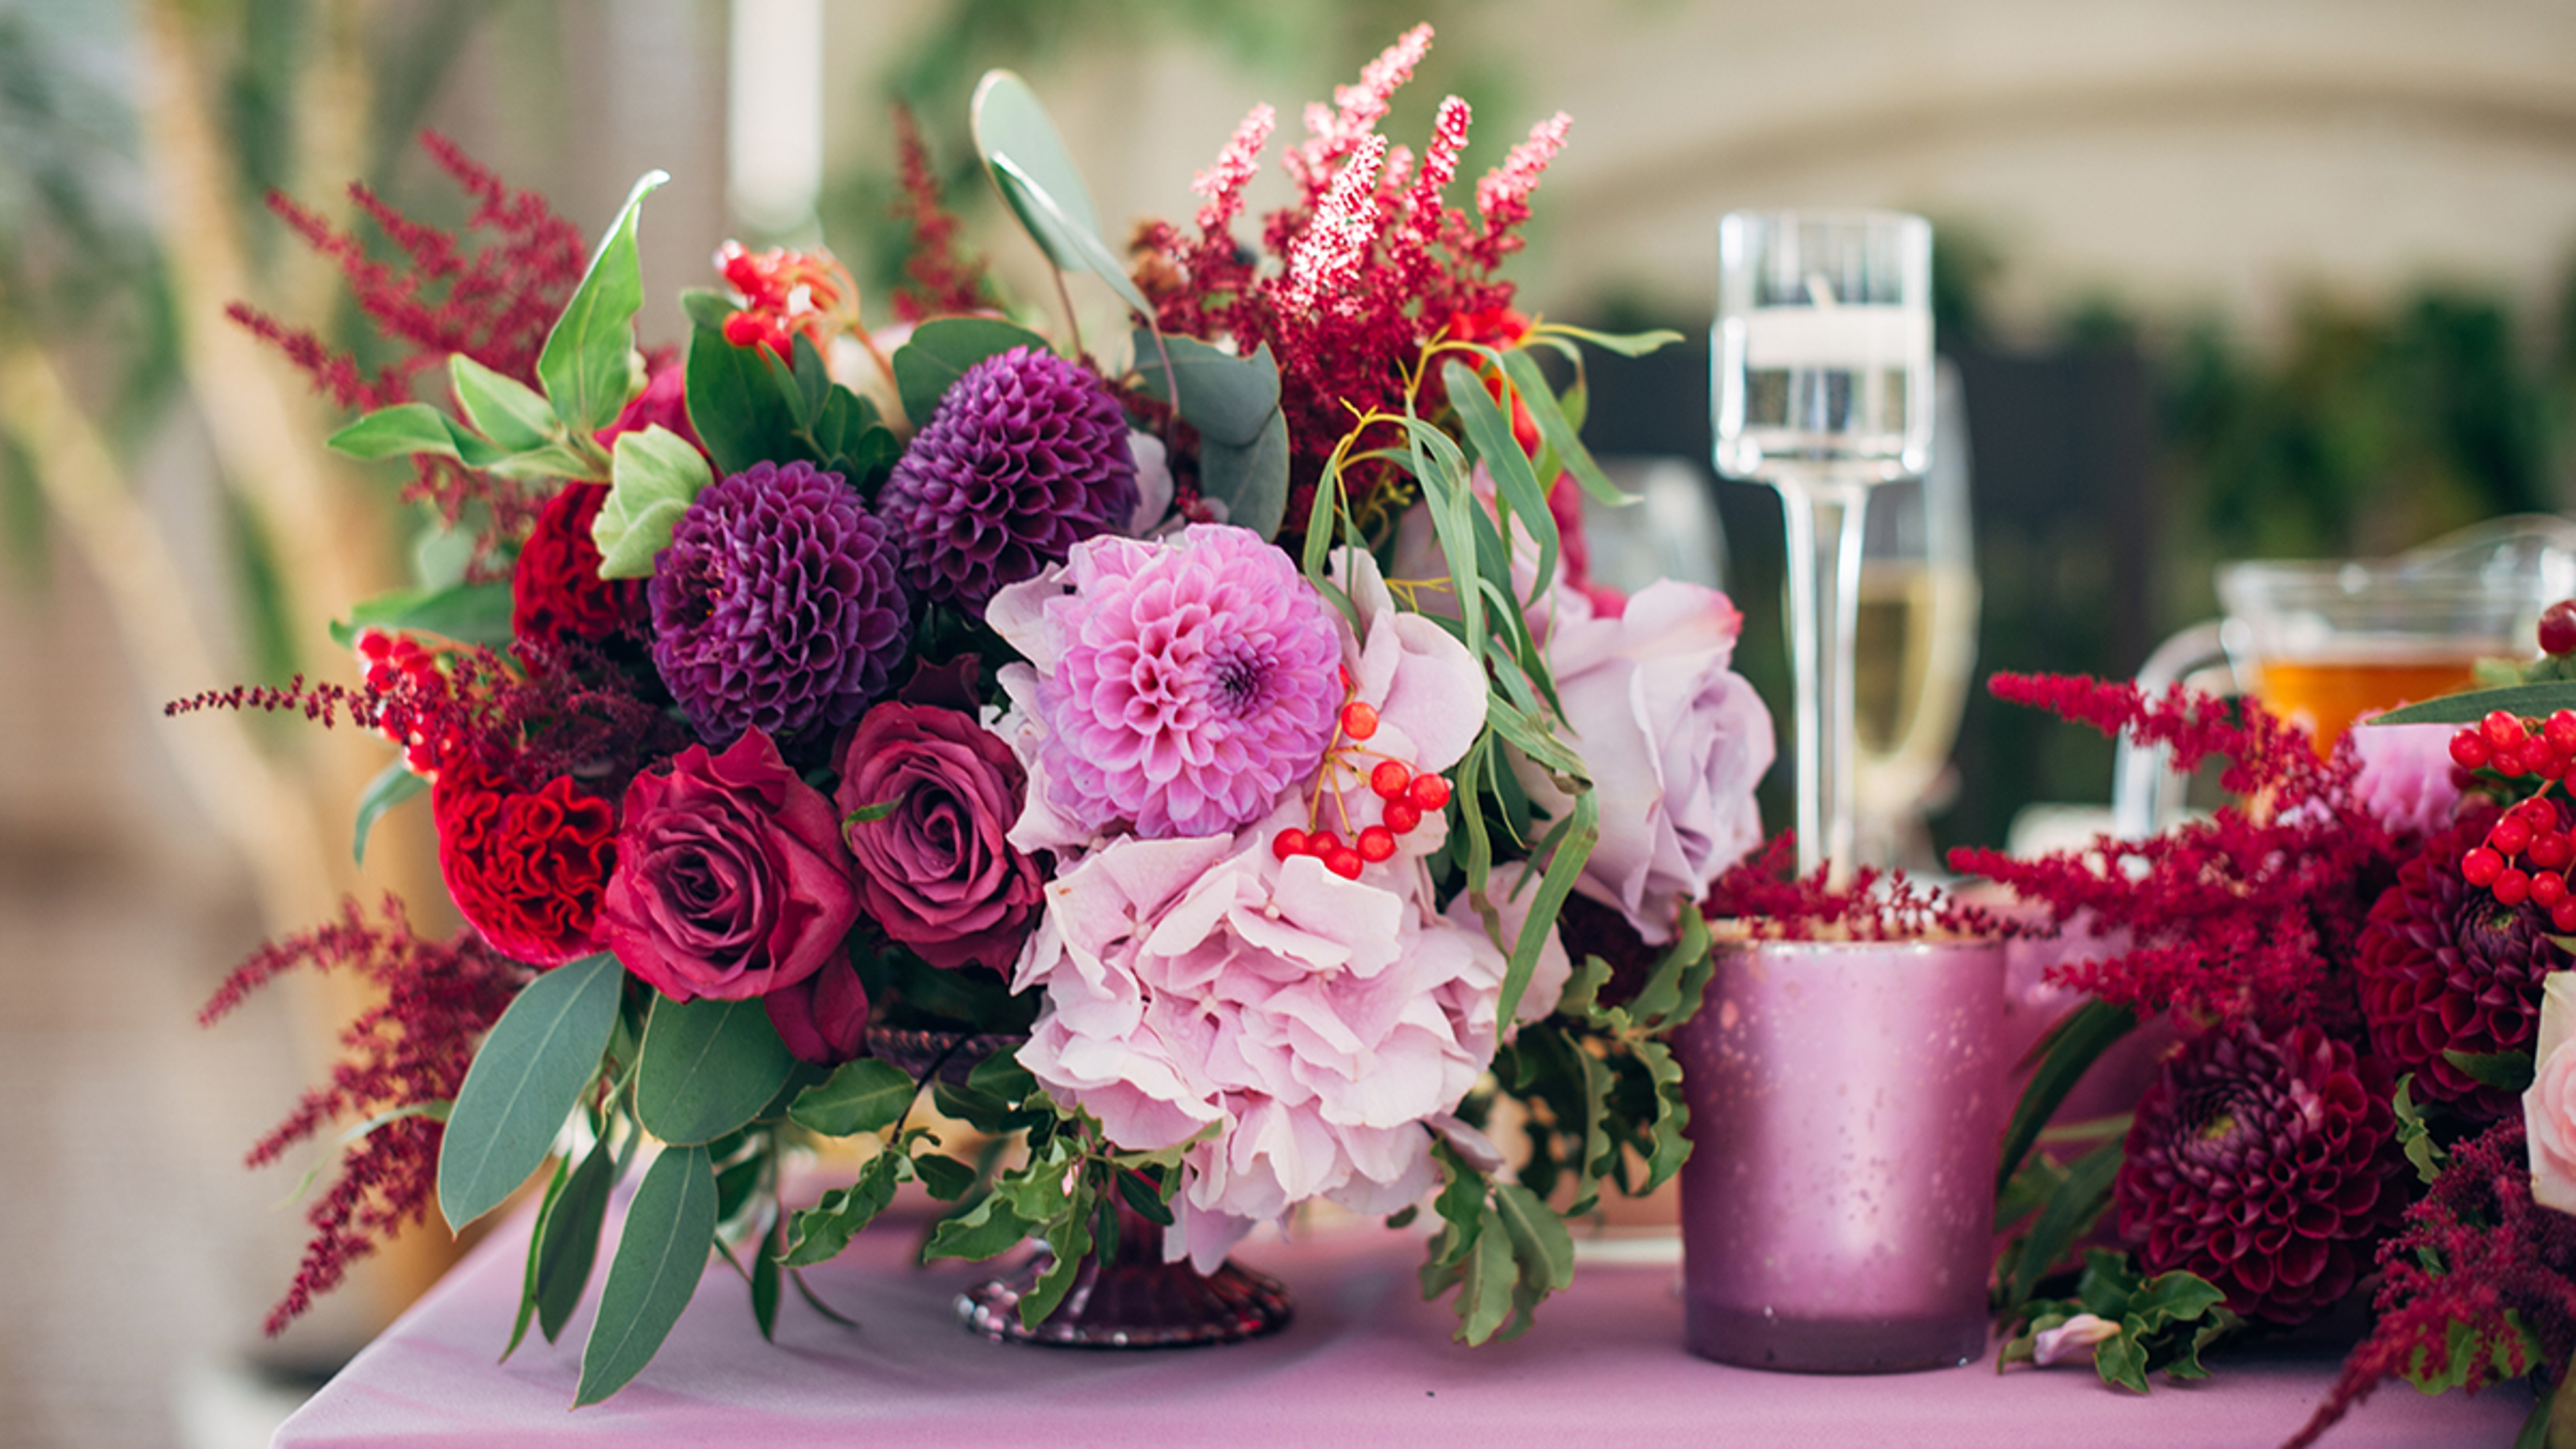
{"points": [[1824, 518]]}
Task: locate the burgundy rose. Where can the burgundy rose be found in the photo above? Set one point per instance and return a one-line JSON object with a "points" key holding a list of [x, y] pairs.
{"points": [[823, 1018], [937, 873], [731, 881], [524, 866]]}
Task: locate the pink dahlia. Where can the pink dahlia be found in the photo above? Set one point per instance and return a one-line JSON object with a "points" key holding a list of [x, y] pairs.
{"points": [[1182, 685], [1026, 454]]}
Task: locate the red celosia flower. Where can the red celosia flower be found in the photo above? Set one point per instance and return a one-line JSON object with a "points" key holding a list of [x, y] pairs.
{"points": [[2265, 1164], [2225, 915], [410, 1050], [525, 867], [2443, 967], [494, 302], [555, 588], [2472, 1250]]}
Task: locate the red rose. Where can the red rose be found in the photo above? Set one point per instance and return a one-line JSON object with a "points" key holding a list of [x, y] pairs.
{"points": [[731, 881], [823, 1018], [525, 868], [556, 590]]}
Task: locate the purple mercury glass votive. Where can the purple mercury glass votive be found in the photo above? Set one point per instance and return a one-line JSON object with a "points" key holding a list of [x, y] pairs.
{"points": [[1846, 1110]]}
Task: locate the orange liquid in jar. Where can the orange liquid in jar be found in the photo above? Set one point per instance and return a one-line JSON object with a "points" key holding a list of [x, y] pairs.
{"points": [[2326, 695]]}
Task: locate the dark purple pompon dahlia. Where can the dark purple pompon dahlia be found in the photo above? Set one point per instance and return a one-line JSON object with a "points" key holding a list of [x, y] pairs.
{"points": [[1025, 457], [778, 605]]}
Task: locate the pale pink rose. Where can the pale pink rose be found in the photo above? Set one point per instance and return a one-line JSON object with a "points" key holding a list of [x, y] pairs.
{"points": [[1674, 741], [1317, 1023], [2076, 1337], [2549, 1103], [2405, 776]]}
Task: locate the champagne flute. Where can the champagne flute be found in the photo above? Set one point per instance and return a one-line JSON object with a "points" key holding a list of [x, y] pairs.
{"points": [[1823, 390], [1916, 629]]}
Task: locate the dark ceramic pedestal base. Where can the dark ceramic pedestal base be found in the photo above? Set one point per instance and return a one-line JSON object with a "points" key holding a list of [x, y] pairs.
{"points": [[1140, 1302]]}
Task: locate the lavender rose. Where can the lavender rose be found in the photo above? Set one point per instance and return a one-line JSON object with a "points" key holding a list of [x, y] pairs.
{"points": [[731, 882], [1675, 741], [937, 873], [823, 1018]]}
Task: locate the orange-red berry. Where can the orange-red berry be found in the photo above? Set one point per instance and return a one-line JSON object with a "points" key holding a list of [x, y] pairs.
{"points": [[1345, 863], [1288, 842], [1401, 817], [2511, 888], [2469, 750], [1390, 778], [2563, 916], [1429, 793], [1322, 844], [1359, 719], [1378, 843], [2548, 888], [2481, 866], [2502, 730]]}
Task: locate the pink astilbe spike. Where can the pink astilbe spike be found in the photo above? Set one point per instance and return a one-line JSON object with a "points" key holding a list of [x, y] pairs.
{"points": [[1222, 184], [1327, 259], [1502, 197], [1339, 128]]}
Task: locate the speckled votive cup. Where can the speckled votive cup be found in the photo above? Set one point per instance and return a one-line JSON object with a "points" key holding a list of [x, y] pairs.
{"points": [[1846, 1108]]}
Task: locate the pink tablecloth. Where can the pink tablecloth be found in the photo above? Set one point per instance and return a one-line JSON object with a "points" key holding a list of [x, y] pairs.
{"points": [[1366, 1362]]}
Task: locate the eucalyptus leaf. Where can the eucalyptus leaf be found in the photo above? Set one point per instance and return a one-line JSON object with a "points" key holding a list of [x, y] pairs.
{"points": [[764, 1289], [707, 1067], [525, 1081], [1251, 480], [941, 350], [2530, 701], [660, 1256], [2504, 1071], [1008, 119], [501, 408], [1626, 344], [867, 1095], [586, 367], [1229, 399], [392, 785], [568, 1242], [1538, 928], [655, 476]]}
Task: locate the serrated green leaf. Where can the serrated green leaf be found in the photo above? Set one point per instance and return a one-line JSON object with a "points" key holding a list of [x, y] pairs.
{"points": [[467, 613], [1229, 399], [1669, 1131], [1541, 1246], [823, 1230], [706, 1068], [941, 350], [525, 1081], [986, 1230], [655, 476], [660, 1256], [944, 1178], [502, 408], [2121, 1362], [586, 367], [568, 1240], [1672, 990], [392, 785], [1069, 1242], [2530, 701], [1485, 1297], [867, 1095]]}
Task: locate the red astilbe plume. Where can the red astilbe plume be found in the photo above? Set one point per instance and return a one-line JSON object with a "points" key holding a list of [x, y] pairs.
{"points": [[494, 302], [407, 1051], [2472, 1250], [1765, 895], [941, 276], [2227, 915], [1367, 267]]}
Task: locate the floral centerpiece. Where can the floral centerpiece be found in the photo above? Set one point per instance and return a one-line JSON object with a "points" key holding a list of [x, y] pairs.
{"points": [[1201, 746], [2365, 960]]}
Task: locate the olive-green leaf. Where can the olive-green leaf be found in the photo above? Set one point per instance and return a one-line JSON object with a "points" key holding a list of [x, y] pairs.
{"points": [[986, 1230], [706, 1068], [1558, 431], [408, 428], [660, 1257], [1515, 482], [586, 366], [1229, 399], [1626, 344], [1540, 1243], [524, 1082], [2504, 1071], [823, 1230], [1068, 1244], [1252, 479], [469, 613], [736, 404], [502, 408], [568, 1243], [654, 478], [1485, 1299], [940, 351], [392, 785], [2530, 701], [868, 1095], [2066, 1052], [949, 1180]]}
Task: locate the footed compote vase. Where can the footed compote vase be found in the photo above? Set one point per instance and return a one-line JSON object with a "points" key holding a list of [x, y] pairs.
{"points": [[1134, 1301]]}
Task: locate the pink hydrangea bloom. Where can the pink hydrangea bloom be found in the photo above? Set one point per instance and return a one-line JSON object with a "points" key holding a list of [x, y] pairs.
{"points": [[1180, 685], [1317, 1023], [2405, 776]]}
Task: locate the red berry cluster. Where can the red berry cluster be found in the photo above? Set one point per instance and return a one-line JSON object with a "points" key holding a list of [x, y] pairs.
{"points": [[2515, 747], [2527, 852], [1408, 798], [784, 293]]}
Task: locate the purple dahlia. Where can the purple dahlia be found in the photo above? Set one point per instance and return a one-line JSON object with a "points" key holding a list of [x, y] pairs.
{"points": [[1025, 457], [1200, 677], [777, 605], [2440, 966], [2266, 1165]]}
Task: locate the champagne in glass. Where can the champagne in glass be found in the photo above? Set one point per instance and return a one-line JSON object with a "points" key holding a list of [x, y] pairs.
{"points": [[1822, 384]]}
